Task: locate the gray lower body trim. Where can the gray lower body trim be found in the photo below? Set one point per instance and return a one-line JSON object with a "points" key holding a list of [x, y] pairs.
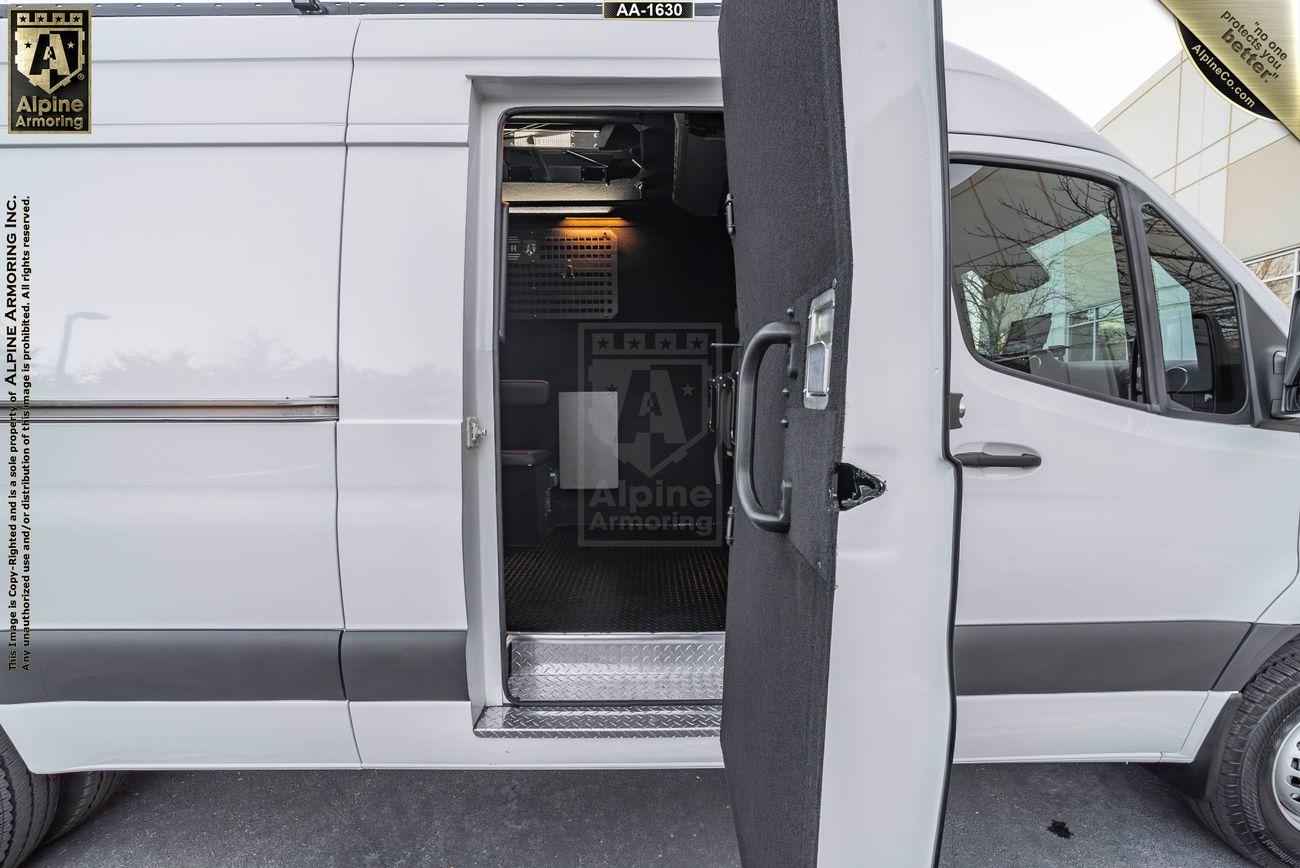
{"points": [[238, 665], [1093, 658], [177, 666], [429, 665], [1261, 643], [404, 665]]}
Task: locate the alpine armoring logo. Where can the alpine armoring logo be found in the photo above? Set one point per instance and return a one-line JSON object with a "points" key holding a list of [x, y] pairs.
{"points": [[660, 373], [49, 70]]}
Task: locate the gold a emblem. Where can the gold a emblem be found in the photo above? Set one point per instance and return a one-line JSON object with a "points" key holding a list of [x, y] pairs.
{"points": [[50, 48]]}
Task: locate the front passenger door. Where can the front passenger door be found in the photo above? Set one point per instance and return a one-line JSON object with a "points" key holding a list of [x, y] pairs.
{"points": [[1119, 530]]}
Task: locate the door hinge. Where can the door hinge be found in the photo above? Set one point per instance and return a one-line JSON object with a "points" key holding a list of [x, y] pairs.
{"points": [[309, 7], [474, 432], [729, 212], [854, 486]]}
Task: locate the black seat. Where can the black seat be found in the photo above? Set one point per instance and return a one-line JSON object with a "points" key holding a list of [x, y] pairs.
{"points": [[524, 457], [525, 393]]}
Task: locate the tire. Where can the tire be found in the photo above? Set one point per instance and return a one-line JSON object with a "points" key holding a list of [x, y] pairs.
{"points": [[81, 794], [1244, 808], [27, 805]]}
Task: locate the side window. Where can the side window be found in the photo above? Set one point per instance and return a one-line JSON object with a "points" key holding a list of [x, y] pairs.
{"points": [[1200, 329], [1040, 271]]}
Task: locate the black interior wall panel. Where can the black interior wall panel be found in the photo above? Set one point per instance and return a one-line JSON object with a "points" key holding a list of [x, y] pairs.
{"points": [[672, 268]]}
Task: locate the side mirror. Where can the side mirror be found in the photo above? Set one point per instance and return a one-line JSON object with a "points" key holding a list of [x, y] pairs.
{"points": [[1288, 366]]}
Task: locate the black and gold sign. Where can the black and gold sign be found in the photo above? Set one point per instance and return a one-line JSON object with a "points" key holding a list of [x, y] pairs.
{"points": [[648, 11], [49, 70], [1247, 51], [1216, 74]]}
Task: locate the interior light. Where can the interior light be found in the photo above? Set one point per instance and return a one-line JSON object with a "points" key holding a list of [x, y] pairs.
{"points": [[589, 210]]}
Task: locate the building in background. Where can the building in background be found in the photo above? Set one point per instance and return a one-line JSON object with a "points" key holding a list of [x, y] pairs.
{"points": [[1238, 174]]}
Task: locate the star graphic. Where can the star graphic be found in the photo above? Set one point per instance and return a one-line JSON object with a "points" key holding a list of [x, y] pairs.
{"points": [[665, 344], [603, 343], [697, 344], [635, 343], [27, 45], [688, 390]]}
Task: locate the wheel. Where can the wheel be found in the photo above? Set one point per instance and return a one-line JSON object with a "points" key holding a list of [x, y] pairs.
{"points": [[27, 805], [81, 794], [1255, 803]]}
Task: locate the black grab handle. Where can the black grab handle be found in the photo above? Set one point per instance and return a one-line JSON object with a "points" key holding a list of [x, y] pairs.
{"points": [[988, 459], [765, 338]]}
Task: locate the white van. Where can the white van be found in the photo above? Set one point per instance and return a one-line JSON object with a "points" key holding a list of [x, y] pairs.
{"points": [[398, 400]]}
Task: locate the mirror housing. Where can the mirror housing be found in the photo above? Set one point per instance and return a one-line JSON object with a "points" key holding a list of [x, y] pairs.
{"points": [[1286, 365]]}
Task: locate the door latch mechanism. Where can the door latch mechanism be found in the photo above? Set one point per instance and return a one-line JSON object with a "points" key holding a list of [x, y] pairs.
{"points": [[854, 486], [474, 432]]}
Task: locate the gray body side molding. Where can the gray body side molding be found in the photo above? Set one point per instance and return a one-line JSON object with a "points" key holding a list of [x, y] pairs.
{"points": [[177, 666], [396, 665], [1091, 658], [1261, 643], [429, 665], [238, 665]]}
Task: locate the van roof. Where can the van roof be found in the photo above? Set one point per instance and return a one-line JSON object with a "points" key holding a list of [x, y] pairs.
{"points": [[983, 97], [191, 8]]}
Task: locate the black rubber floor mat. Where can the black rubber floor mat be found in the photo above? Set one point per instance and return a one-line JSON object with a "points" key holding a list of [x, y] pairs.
{"points": [[562, 587]]}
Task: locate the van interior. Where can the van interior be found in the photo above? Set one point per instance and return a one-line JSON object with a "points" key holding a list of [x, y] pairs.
{"points": [[617, 339]]}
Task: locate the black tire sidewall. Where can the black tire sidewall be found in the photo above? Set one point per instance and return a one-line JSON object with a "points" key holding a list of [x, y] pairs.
{"points": [[1263, 814]]}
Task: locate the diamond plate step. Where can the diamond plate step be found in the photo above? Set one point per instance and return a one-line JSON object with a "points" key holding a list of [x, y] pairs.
{"points": [[681, 668], [628, 721]]}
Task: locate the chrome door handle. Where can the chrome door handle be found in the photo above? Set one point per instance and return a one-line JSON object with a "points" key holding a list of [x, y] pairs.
{"points": [[764, 339], [988, 459]]}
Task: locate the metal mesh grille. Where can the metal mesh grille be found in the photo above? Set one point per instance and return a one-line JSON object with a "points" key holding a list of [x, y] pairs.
{"points": [[562, 587], [563, 274]]}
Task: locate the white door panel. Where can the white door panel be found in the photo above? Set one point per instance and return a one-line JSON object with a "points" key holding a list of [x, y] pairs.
{"points": [[158, 525], [1133, 516], [808, 683], [1132, 726], [400, 394], [889, 650], [181, 735], [238, 302]]}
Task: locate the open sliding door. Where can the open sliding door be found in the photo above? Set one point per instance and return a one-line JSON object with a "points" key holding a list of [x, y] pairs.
{"points": [[837, 717]]}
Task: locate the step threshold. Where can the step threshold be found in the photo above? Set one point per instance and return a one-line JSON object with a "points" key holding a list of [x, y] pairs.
{"points": [[676, 668], [625, 721]]}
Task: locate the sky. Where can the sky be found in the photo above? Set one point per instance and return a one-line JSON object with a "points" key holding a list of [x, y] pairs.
{"points": [[1087, 54]]}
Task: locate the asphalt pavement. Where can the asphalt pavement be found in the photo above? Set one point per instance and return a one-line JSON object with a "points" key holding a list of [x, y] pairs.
{"points": [[1028, 815]]}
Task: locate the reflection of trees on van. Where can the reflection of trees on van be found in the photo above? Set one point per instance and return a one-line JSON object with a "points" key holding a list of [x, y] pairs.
{"points": [[256, 365], [1186, 282], [1200, 329], [1040, 271]]}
